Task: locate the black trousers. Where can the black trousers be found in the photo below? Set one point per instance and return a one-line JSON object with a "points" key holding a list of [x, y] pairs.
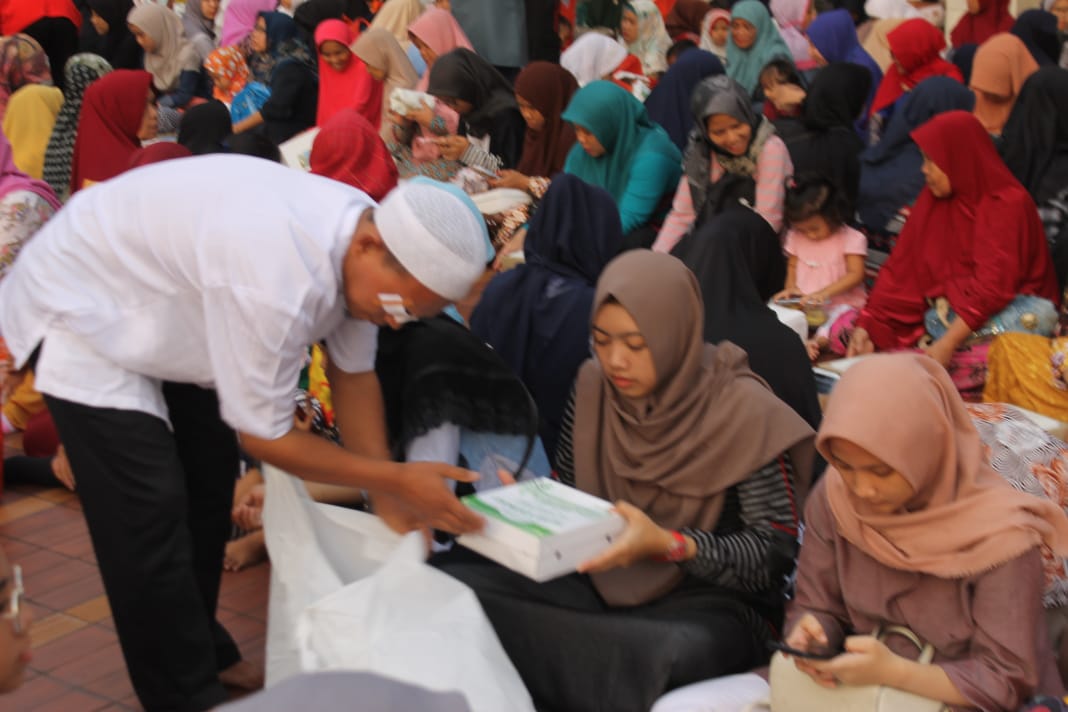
{"points": [[158, 507], [577, 654]]}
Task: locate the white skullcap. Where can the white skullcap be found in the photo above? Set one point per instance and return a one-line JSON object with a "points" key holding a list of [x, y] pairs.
{"points": [[437, 234]]}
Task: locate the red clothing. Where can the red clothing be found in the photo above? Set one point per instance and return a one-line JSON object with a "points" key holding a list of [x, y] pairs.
{"points": [[107, 130], [915, 45], [351, 88], [993, 17], [348, 149], [17, 15], [980, 247]]}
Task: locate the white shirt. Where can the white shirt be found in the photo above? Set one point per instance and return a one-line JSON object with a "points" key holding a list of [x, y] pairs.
{"points": [[129, 286]]}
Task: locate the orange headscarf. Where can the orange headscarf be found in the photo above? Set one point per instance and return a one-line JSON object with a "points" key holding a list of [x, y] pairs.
{"points": [[1002, 64]]}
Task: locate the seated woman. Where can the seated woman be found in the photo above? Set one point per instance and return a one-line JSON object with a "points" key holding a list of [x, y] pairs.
{"points": [[204, 128], [793, 18], [911, 527], [491, 127], [1035, 148], [82, 70], [754, 42], [1002, 65], [890, 175], [239, 20], [28, 123], [413, 143], [114, 41], [389, 66], [228, 71], [989, 251], [621, 150], [983, 20], [537, 313], [198, 23], [705, 465], [594, 56], [739, 263], [344, 80], [834, 39], [642, 31], [25, 62], [1038, 30], [823, 140], [172, 59], [669, 104], [915, 47], [349, 150], [734, 156], [119, 111], [294, 87]]}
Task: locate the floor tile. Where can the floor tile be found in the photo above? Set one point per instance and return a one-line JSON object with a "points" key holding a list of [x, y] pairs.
{"points": [[243, 628], [45, 519], [92, 611], [104, 661], [24, 507], [73, 700], [71, 647], [16, 549], [55, 626], [113, 686], [74, 592], [57, 495], [34, 692]]}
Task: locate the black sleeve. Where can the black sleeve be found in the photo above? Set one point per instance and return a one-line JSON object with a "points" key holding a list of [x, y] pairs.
{"points": [[506, 138], [565, 452], [286, 90]]}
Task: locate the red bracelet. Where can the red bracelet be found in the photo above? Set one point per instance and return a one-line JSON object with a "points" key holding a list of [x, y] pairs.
{"points": [[677, 552]]}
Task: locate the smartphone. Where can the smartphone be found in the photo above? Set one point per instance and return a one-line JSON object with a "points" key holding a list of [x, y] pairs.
{"points": [[805, 654], [789, 301], [484, 171]]}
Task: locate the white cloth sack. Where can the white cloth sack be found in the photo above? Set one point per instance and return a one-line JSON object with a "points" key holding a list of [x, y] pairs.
{"points": [[348, 593]]}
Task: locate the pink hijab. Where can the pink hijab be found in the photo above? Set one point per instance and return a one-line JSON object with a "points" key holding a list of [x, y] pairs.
{"points": [[240, 18], [440, 31], [12, 179]]}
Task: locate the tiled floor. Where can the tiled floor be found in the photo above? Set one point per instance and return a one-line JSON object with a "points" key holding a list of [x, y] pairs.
{"points": [[77, 665]]}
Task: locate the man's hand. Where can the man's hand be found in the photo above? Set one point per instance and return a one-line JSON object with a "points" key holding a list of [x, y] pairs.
{"points": [[422, 499]]}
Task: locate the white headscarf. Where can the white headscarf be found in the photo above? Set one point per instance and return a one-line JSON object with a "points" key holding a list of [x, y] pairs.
{"points": [[653, 40], [174, 53], [592, 57]]}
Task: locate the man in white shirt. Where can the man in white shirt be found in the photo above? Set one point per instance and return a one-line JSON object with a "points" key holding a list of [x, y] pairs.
{"points": [[135, 308]]}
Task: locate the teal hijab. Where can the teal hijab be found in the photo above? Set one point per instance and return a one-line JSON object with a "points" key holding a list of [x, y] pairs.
{"points": [[620, 123], [744, 66]]}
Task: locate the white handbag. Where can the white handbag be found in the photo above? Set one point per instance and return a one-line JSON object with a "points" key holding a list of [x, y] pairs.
{"points": [[794, 691]]}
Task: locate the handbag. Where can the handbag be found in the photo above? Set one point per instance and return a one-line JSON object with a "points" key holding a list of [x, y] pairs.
{"points": [[794, 691]]}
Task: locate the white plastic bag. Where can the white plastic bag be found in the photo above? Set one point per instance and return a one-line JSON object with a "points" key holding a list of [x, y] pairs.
{"points": [[348, 593]]}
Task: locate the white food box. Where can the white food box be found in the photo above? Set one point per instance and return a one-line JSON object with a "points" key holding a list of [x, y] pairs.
{"points": [[541, 528]]}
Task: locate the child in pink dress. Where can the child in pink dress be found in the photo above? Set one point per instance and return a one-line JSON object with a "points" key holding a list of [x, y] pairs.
{"points": [[826, 256]]}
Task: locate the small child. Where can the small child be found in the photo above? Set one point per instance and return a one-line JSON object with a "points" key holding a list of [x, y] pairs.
{"points": [[714, 30], [783, 90], [826, 256], [228, 71]]}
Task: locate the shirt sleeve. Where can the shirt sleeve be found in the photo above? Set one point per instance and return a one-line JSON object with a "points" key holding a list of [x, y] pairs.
{"points": [[188, 83], [678, 221], [761, 554], [651, 176], [285, 92], [789, 245], [772, 168], [1008, 646], [855, 242], [353, 346]]}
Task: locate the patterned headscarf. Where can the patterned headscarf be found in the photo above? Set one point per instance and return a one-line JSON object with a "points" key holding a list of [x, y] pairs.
{"points": [[228, 63], [82, 70], [22, 62]]}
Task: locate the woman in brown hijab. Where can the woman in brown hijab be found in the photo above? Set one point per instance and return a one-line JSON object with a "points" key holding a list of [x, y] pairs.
{"points": [[1002, 65], [705, 465], [910, 526]]}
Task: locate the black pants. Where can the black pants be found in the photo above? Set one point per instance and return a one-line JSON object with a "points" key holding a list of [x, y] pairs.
{"points": [[576, 654], [158, 507], [58, 37]]}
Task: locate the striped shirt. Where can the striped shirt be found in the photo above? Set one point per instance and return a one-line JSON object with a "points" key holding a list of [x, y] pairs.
{"points": [[754, 544]]}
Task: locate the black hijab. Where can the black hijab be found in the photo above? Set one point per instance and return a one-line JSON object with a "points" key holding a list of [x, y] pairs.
{"points": [[1035, 138], [823, 141], [739, 263], [1038, 30], [118, 46], [204, 127], [462, 74], [310, 14]]}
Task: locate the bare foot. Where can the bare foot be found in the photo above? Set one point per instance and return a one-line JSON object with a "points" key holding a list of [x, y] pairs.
{"points": [[242, 675], [247, 551]]}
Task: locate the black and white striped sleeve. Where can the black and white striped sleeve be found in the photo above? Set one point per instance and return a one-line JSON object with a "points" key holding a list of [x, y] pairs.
{"points": [[759, 553], [565, 449]]}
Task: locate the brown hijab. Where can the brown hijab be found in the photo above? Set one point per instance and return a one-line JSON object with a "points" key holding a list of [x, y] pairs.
{"points": [[710, 423], [1002, 65], [964, 519], [548, 87]]}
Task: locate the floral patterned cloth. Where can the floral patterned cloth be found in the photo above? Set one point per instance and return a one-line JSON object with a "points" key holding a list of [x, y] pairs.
{"points": [[22, 213], [1033, 461]]}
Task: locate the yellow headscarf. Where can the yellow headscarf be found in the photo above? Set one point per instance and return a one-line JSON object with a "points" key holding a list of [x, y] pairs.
{"points": [[31, 114]]}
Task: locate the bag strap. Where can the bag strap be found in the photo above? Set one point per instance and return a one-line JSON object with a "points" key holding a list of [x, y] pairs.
{"points": [[926, 649]]}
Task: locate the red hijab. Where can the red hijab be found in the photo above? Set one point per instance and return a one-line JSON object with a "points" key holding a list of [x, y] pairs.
{"points": [[351, 88], [979, 247], [915, 45], [548, 87], [107, 129], [348, 149], [993, 17], [158, 153]]}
